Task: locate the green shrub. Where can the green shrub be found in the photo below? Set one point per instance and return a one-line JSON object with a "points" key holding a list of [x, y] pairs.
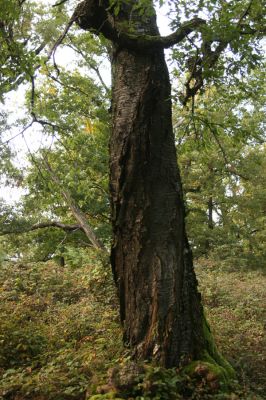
{"points": [[60, 334]]}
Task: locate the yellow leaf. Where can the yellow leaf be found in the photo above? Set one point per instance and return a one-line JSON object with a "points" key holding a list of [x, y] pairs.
{"points": [[52, 90], [88, 126]]}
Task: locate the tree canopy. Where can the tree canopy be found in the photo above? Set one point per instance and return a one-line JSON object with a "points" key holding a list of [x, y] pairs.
{"points": [[71, 106]]}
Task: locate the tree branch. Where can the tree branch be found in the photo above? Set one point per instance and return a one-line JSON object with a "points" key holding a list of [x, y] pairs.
{"points": [[59, 3], [42, 225], [59, 41], [76, 211], [228, 165], [56, 224], [2, 144], [245, 13], [96, 17], [182, 32], [93, 67], [149, 42], [206, 61]]}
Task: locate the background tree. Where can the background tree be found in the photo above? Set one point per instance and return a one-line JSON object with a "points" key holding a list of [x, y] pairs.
{"points": [[216, 140], [57, 185]]}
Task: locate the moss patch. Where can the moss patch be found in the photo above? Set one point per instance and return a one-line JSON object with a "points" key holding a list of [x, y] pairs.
{"points": [[212, 356], [105, 396]]}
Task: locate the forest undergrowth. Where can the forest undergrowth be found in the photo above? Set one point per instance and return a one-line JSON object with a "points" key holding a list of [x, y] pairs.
{"points": [[60, 333]]}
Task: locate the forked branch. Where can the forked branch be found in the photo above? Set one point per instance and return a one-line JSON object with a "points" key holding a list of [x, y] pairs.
{"points": [[97, 17]]}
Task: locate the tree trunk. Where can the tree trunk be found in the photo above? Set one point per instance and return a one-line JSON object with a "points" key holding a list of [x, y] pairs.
{"points": [[160, 306], [210, 213], [152, 264], [210, 223]]}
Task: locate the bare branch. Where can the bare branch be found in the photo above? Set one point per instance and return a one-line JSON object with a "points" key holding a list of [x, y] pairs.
{"points": [[21, 133], [18, 134], [60, 2], [60, 40], [40, 48], [93, 67], [76, 211]]}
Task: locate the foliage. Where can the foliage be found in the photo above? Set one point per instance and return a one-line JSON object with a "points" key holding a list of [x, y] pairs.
{"points": [[61, 328], [235, 307], [222, 157], [62, 334], [77, 110], [220, 132], [239, 25], [15, 61], [27, 28]]}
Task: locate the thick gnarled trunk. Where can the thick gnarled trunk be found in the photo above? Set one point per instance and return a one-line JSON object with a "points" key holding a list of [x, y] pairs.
{"points": [[159, 304], [160, 307]]}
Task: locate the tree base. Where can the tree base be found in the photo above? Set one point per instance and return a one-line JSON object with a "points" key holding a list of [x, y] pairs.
{"points": [[211, 375], [199, 379]]}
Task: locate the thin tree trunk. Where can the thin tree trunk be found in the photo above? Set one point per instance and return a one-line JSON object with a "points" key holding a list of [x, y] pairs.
{"points": [[210, 213], [210, 223]]}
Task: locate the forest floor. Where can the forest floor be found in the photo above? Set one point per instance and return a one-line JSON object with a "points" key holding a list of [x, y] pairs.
{"points": [[235, 304], [59, 328]]}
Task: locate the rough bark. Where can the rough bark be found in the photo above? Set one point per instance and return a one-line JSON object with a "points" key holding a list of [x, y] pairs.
{"points": [[160, 306]]}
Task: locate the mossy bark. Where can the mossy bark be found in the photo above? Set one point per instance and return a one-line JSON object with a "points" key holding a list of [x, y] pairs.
{"points": [[212, 356], [211, 361]]}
